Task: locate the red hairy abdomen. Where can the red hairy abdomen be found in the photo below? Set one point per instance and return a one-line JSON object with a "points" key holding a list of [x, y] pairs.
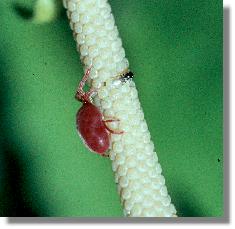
{"points": [[92, 129]]}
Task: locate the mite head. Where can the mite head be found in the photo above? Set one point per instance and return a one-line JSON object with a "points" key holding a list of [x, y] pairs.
{"points": [[85, 97], [81, 96]]}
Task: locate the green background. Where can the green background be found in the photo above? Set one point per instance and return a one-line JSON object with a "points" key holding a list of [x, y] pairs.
{"points": [[174, 48]]}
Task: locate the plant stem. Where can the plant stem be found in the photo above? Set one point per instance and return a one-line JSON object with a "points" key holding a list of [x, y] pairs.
{"points": [[140, 183]]}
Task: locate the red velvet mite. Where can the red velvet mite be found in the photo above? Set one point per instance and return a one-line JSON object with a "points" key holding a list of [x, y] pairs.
{"points": [[91, 125]]}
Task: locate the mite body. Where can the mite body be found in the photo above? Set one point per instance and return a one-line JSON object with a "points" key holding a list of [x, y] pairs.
{"points": [[90, 123], [92, 129]]}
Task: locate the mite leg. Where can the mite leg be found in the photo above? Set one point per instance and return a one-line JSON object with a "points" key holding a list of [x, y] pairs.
{"points": [[110, 130], [84, 79], [87, 95], [80, 94], [91, 92], [111, 120], [104, 155]]}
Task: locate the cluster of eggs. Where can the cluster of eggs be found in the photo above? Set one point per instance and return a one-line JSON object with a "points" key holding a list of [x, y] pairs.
{"points": [[138, 173], [97, 38]]}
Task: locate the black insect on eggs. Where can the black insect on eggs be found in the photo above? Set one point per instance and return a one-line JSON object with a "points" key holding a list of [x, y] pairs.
{"points": [[127, 76]]}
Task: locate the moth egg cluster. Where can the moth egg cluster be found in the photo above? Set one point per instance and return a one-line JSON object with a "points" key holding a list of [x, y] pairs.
{"points": [[138, 173]]}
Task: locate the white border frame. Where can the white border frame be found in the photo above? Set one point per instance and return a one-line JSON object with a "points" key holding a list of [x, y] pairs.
{"points": [[229, 96]]}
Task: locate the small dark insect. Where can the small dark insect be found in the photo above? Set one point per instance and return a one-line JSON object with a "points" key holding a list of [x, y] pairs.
{"points": [[127, 76]]}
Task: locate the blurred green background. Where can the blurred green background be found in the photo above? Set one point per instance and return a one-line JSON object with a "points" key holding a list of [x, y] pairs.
{"points": [[174, 48]]}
